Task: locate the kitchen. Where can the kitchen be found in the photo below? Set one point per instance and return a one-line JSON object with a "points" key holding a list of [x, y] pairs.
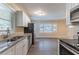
{"points": [[13, 39], [23, 33]]}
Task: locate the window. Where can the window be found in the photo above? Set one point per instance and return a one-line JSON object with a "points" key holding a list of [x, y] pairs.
{"points": [[5, 19], [48, 27]]}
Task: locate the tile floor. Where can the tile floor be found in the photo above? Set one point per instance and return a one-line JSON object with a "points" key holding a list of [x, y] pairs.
{"points": [[44, 47]]}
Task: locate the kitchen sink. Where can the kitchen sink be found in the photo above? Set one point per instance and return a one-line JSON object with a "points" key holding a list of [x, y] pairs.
{"points": [[9, 42], [5, 45], [15, 38]]}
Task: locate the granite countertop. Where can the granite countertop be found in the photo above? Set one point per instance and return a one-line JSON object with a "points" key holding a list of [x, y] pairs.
{"points": [[14, 35], [7, 46]]}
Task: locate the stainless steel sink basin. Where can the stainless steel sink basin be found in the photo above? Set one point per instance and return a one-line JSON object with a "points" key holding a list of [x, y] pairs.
{"points": [[15, 38], [4, 45]]}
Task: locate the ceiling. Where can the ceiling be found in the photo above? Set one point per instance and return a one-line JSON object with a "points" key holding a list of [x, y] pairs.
{"points": [[54, 11]]}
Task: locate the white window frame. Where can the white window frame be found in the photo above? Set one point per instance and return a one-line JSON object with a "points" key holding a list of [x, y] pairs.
{"points": [[3, 31], [43, 30]]}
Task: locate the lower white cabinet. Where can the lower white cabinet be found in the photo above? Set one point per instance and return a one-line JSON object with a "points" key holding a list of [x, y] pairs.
{"points": [[21, 48], [25, 46]]}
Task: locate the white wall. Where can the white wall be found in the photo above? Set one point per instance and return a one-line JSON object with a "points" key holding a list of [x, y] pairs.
{"points": [[61, 29]]}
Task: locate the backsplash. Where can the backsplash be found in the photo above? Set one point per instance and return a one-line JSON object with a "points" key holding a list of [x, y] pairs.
{"points": [[18, 31], [73, 31]]}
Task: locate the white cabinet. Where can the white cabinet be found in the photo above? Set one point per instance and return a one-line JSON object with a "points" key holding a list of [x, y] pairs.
{"points": [[25, 46], [68, 7], [13, 50], [19, 48], [22, 47], [22, 19]]}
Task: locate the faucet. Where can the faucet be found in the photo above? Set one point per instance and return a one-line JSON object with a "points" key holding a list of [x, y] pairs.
{"points": [[8, 33]]}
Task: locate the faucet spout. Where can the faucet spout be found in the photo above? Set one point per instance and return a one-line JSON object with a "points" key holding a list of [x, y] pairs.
{"points": [[8, 33]]}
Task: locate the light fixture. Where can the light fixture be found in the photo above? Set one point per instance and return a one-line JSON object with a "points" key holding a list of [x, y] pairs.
{"points": [[70, 26], [39, 12]]}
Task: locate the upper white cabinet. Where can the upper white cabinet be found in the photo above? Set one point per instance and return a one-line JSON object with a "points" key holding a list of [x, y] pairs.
{"points": [[22, 19], [69, 8]]}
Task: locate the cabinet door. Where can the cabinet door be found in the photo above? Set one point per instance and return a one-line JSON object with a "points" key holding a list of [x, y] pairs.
{"points": [[19, 48], [25, 46], [26, 19], [19, 18], [68, 7], [13, 50], [22, 19]]}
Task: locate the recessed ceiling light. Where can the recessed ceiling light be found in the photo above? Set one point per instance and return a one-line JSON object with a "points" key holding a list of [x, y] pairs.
{"points": [[39, 13]]}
